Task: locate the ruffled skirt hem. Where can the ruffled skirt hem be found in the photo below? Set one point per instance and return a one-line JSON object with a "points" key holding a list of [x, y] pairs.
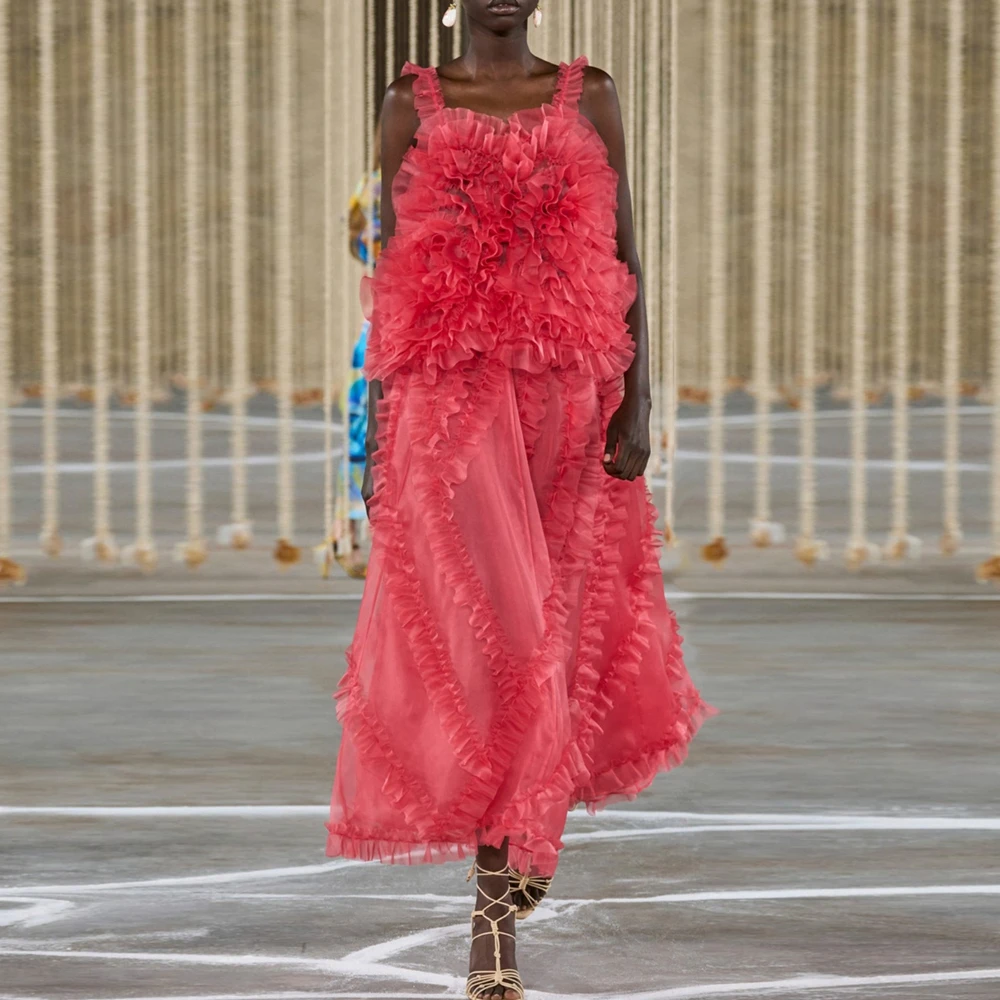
{"points": [[622, 782]]}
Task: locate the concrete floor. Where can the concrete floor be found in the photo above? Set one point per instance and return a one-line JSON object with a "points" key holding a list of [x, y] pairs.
{"points": [[834, 834], [167, 746]]}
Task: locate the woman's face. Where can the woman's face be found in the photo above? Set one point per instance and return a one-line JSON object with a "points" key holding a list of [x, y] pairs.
{"points": [[500, 15]]}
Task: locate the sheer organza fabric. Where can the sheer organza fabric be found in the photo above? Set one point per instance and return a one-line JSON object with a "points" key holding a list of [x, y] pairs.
{"points": [[514, 654]]}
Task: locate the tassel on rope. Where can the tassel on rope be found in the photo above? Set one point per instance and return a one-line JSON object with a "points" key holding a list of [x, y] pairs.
{"points": [[238, 534], [903, 546], [861, 553], [193, 551], [10, 571], [764, 531], [951, 538], [764, 534], [145, 557], [142, 553], [102, 547], [808, 549], [335, 516], [716, 550], [989, 570], [670, 396], [652, 209], [285, 552], [49, 536], [900, 543]]}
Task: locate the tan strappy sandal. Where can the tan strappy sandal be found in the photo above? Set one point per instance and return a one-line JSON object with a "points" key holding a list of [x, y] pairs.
{"points": [[527, 891], [481, 984]]}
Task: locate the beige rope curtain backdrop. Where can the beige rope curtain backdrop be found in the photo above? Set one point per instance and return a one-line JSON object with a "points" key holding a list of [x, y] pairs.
{"points": [[816, 186]]}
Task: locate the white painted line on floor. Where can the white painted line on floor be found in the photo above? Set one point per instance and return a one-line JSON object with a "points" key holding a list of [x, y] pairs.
{"points": [[865, 824], [793, 595], [216, 878], [732, 419], [985, 597], [316, 457], [326, 965], [884, 825], [178, 598], [166, 812], [705, 896], [792, 986], [168, 464], [752, 895], [32, 912], [826, 821], [281, 995], [158, 416], [830, 462]]}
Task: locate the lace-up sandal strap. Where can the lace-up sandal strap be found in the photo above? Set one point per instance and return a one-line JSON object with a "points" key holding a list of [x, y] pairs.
{"points": [[530, 890], [481, 984]]}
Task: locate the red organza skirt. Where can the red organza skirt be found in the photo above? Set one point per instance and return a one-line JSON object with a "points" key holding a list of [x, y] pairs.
{"points": [[514, 654]]}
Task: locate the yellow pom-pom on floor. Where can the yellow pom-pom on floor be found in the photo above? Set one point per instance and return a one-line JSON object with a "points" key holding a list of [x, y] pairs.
{"points": [[192, 554], [716, 551], [286, 554], [238, 535], [101, 549], [51, 543], [902, 547], [764, 534], [989, 571], [810, 551], [143, 556], [857, 555], [12, 572], [951, 542]]}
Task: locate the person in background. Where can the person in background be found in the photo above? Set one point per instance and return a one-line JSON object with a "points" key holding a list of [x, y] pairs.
{"points": [[365, 239]]}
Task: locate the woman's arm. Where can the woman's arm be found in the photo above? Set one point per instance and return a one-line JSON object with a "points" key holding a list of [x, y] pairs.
{"points": [[399, 124], [628, 449]]}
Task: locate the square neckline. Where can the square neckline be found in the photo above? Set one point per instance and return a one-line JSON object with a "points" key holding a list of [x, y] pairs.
{"points": [[558, 100]]}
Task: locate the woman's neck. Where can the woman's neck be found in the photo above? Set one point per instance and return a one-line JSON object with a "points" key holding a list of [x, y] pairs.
{"points": [[500, 56]]}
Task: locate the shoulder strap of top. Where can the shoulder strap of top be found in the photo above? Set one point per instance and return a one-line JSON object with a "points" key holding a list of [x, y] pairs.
{"points": [[569, 87], [427, 97]]}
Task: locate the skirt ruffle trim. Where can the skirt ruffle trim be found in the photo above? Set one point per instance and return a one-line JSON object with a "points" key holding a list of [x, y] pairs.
{"points": [[623, 782], [450, 832]]}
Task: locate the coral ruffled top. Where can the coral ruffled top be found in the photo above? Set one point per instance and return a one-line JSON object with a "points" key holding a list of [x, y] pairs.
{"points": [[504, 244]]}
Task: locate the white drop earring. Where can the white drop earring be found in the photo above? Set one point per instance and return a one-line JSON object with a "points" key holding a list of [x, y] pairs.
{"points": [[450, 15], [538, 16]]}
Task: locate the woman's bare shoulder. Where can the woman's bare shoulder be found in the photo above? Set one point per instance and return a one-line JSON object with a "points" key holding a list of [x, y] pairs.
{"points": [[599, 90]]}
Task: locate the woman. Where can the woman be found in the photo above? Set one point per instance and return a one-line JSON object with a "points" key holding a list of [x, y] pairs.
{"points": [[514, 654]]}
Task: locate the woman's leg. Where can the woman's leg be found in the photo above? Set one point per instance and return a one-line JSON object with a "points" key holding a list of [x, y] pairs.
{"points": [[493, 897]]}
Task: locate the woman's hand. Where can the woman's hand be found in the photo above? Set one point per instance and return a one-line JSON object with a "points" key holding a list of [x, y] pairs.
{"points": [[367, 484], [627, 450]]}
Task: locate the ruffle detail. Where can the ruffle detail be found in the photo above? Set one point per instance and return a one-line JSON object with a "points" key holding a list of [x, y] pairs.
{"points": [[606, 631], [570, 88], [426, 96], [505, 244]]}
